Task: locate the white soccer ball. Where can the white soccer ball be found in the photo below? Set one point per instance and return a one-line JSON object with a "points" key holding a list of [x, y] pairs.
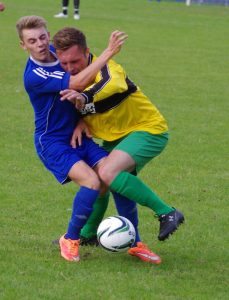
{"points": [[116, 234]]}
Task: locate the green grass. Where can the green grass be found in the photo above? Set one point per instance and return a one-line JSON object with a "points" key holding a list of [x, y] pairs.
{"points": [[178, 55]]}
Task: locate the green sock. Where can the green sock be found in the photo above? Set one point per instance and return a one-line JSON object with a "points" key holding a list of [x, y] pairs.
{"points": [[133, 188], [90, 228]]}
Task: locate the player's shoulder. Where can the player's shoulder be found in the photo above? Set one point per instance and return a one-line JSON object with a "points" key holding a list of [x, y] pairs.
{"points": [[31, 71], [28, 71], [43, 71]]}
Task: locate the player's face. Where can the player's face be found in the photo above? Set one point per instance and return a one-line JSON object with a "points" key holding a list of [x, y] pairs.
{"points": [[36, 42], [74, 59]]}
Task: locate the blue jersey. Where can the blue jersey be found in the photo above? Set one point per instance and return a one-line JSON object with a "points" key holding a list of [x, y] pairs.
{"points": [[55, 120]]}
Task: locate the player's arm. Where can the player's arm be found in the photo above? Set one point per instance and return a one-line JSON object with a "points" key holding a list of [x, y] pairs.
{"points": [[73, 96], [84, 78], [81, 128], [41, 81], [110, 81]]}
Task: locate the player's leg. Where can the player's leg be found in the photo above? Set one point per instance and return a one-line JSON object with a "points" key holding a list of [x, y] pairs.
{"points": [[82, 207], [125, 158], [88, 234], [64, 13], [76, 9], [95, 156], [69, 164], [125, 207], [128, 209]]}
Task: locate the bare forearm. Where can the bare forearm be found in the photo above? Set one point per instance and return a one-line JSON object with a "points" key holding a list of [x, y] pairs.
{"points": [[80, 81]]}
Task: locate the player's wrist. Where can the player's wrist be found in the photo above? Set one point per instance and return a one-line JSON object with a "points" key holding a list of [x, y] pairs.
{"points": [[107, 54]]}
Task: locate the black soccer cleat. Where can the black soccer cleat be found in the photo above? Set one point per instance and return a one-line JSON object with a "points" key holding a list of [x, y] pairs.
{"points": [[169, 223], [89, 241]]}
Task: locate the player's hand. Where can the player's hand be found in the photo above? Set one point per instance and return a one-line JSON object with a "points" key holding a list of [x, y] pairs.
{"points": [[73, 96], [117, 39], [81, 128]]}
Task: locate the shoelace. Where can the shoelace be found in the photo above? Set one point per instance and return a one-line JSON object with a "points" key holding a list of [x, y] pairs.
{"points": [[73, 246]]}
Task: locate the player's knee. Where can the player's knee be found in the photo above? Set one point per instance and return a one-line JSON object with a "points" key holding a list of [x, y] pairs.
{"points": [[89, 180], [93, 182], [105, 174]]}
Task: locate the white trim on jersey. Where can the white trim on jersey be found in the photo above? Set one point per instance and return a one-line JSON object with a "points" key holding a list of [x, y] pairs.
{"points": [[45, 64], [43, 73], [46, 127]]}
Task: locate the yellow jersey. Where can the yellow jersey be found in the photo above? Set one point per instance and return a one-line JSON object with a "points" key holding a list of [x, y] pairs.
{"points": [[115, 106]]}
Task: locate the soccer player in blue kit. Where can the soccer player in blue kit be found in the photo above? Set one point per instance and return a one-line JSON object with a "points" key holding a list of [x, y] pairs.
{"points": [[55, 121]]}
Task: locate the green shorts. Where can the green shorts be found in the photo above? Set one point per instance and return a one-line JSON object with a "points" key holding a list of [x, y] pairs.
{"points": [[140, 145]]}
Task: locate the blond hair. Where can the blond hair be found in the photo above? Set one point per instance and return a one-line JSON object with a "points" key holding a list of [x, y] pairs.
{"points": [[29, 22]]}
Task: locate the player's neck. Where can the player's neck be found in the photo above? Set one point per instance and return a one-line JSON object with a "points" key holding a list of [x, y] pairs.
{"points": [[47, 59], [50, 58]]}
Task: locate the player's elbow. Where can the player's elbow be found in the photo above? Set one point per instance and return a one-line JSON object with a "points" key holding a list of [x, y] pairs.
{"points": [[77, 85]]}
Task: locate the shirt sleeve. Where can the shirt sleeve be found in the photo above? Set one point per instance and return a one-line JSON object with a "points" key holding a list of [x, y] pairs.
{"points": [[109, 81], [41, 80]]}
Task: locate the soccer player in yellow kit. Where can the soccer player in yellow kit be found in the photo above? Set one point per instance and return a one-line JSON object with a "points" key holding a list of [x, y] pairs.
{"points": [[131, 127]]}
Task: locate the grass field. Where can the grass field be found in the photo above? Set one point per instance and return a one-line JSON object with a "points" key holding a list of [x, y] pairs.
{"points": [[178, 55]]}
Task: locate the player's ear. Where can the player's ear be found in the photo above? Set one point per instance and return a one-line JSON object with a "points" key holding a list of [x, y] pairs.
{"points": [[87, 52], [22, 45]]}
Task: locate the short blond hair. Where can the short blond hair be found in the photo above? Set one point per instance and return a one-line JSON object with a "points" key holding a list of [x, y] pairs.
{"points": [[29, 22]]}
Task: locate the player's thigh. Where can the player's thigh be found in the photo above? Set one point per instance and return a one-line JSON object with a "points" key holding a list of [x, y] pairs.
{"points": [[119, 160], [116, 162], [142, 146], [84, 175]]}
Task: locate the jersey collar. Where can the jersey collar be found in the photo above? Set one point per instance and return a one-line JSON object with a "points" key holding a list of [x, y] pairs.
{"points": [[51, 64]]}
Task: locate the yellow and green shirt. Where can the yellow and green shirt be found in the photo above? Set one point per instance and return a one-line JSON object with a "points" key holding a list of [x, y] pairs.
{"points": [[116, 106]]}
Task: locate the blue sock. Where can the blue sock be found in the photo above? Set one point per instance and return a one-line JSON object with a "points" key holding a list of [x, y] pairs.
{"points": [[128, 209], [81, 210]]}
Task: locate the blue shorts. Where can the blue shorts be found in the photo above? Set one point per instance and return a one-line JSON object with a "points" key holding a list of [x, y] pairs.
{"points": [[60, 157]]}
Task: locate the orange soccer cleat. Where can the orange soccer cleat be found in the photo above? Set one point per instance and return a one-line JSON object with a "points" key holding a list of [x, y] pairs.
{"points": [[144, 253], [69, 249]]}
